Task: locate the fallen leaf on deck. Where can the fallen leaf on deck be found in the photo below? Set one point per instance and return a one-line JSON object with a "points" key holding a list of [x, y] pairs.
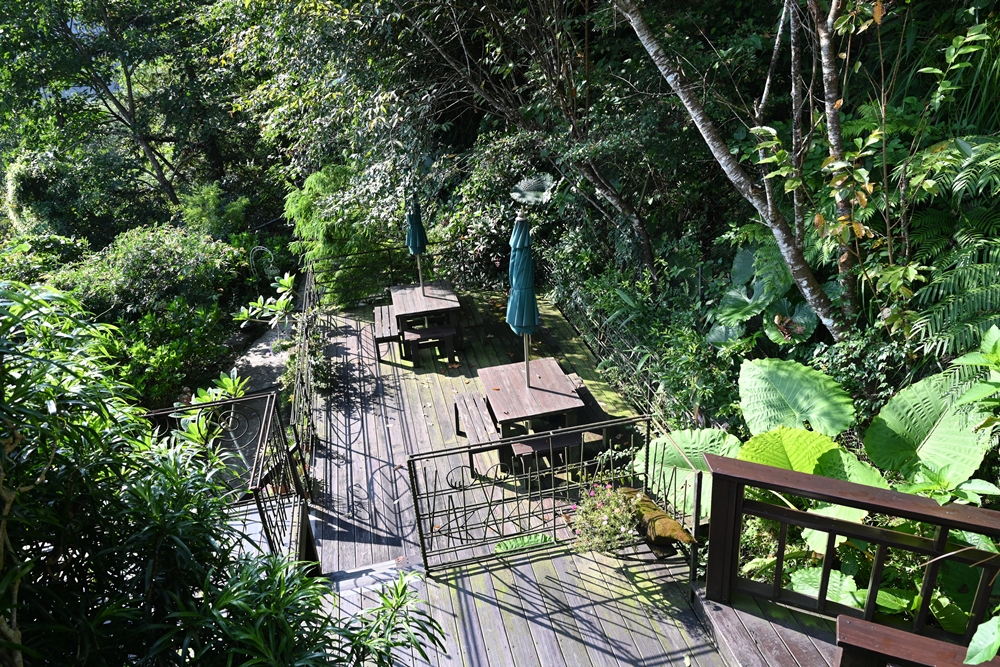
{"points": [[489, 335], [468, 381], [399, 467], [454, 365], [496, 388]]}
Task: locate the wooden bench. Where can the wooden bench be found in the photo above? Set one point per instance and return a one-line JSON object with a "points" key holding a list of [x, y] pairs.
{"points": [[472, 413], [414, 339], [866, 644], [386, 328]]}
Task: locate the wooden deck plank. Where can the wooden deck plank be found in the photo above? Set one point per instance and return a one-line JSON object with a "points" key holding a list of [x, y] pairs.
{"points": [[573, 639], [762, 633], [524, 643], [651, 641], [663, 587], [494, 633], [795, 640], [589, 585], [439, 600]]}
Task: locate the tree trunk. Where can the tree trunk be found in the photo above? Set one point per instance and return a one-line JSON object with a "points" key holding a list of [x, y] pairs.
{"points": [[832, 103], [804, 278]]}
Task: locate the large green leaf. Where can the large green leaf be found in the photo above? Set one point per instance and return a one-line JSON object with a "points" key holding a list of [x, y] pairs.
{"points": [[670, 473], [684, 448], [737, 306], [787, 325], [918, 425], [842, 464], [985, 643], [817, 539], [774, 393], [788, 448], [842, 588]]}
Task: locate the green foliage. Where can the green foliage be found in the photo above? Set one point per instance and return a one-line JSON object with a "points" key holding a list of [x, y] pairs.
{"points": [[605, 519], [278, 310], [962, 298], [985, 643], [523, 542], [920, 430], [83, 475], [785, 393], [178, 344], [870, 367], [842, 589], [789, 448], [375, 636], [146, 268], [206, 212], [29, 258]]}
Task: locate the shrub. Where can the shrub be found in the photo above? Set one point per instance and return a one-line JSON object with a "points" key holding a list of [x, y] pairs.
{"points": [[28, 258], [605, 519], [205, 211], [146, 268], [169, 349]]}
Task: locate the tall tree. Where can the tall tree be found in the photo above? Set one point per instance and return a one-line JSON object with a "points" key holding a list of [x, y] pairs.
{"points": [[757, 191]]}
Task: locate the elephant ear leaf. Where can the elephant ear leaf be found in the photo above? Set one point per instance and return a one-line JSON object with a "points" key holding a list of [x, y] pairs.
{"points": [[920, 426], [789, 448], [684, 448], [775, 393]]}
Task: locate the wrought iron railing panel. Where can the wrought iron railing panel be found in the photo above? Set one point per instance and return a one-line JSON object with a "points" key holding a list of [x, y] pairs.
{"points": [[464, 509], [262, 469]]}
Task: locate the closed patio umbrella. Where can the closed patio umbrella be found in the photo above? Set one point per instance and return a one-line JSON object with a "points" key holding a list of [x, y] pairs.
{"points": [[522, 307], [416, 237]]}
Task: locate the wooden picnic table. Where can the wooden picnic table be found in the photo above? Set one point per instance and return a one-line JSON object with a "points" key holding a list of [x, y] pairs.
{"points": [[410, 302], [551, 393]]}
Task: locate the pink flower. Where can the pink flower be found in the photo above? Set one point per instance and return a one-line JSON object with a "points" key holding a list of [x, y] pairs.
{"points": [[609, 486], [591, 493], [574, 506], [577, 531]]}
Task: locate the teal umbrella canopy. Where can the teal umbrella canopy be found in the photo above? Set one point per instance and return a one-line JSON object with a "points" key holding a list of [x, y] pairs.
{"points": [[522, 307], [416, 237]]}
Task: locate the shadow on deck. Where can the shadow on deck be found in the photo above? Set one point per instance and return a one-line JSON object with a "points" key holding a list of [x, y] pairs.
{"points": [[548, 607]]}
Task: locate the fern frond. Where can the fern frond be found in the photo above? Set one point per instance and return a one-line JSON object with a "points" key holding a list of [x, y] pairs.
{"points": [[771, 269], [961, 300]]}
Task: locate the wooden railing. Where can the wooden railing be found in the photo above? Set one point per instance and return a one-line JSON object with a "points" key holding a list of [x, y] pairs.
{"points": [[731, 479]]}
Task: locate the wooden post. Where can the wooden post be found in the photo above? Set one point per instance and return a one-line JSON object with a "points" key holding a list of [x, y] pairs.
{"points": [[724, 538]]}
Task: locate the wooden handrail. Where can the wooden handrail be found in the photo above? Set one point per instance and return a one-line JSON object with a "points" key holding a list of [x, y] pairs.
{"points": [[731, 477], [860, 496]]}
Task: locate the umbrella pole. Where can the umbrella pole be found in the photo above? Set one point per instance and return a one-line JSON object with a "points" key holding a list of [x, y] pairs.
{"points": [[420, 275], [527, 367]]}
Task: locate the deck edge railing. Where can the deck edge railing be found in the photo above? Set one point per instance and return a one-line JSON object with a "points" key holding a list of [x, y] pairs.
{"points": [[730, 480], [251, 427]]}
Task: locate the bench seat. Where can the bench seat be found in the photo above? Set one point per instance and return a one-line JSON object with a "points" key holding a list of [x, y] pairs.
{"points": [[439, 336], [473, 419], [866, 644], [386, 328]]}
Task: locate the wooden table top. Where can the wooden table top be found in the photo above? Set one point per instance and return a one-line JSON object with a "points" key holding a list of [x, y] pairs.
{"points": [[411, 301], [551, 391]]}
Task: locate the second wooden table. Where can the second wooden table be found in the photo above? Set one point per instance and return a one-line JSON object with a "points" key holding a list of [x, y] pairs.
{"points": [[550, 392]]}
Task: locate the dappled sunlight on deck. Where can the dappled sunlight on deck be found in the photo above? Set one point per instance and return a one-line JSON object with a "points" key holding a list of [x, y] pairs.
{"points": [[548, 607]]}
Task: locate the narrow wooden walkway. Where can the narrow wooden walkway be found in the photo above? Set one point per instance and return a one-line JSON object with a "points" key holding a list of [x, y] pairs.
{"points": [[544, 608]]}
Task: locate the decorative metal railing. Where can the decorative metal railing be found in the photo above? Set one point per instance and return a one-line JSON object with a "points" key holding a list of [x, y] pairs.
{"points": [[262, 470], [626, 362], [302, 423], [470, 499]]}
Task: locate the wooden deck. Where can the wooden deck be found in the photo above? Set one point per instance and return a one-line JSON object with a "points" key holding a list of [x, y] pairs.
{"points": [[544, 608], [760, 633]]}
